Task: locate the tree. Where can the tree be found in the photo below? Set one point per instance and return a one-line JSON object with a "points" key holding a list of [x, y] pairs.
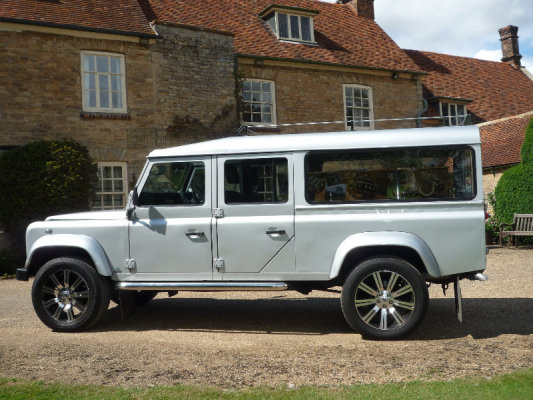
{"points": [[41, 179], [514, 191]]}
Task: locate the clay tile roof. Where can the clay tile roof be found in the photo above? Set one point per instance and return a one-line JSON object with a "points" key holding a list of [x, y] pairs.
{"points": [[113, 16], [342, 37], [497, 89], [502, 140]]}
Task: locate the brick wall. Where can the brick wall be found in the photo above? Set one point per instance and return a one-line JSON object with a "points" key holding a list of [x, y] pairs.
{"points": [[312, 95], [186, 76]]}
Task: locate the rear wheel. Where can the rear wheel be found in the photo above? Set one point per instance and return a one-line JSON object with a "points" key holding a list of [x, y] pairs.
{"points": [[69, 295], [384, 298]]}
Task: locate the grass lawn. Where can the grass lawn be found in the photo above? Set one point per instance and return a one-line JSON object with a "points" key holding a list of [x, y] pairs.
{"points": [[518, 385]]}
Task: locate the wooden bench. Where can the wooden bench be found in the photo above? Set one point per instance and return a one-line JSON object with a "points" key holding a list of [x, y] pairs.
{"points": [[522, 226]]}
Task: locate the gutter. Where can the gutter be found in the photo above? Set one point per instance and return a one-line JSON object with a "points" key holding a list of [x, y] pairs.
{"points": [[325, 63], [78, 28]]}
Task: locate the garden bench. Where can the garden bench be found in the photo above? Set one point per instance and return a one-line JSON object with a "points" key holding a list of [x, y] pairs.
{"points": [[522, 226]]}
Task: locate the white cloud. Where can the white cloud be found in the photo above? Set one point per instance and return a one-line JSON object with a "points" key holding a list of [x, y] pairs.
{"points": [[457, 27], [491, 55]]}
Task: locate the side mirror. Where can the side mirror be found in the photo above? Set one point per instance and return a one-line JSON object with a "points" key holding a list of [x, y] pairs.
{"points": [[135, 197], [132, 204]]}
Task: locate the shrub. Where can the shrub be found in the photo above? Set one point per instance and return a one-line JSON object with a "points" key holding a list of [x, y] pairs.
{"points": [[10, 261], [41, 179], [514, 191]]}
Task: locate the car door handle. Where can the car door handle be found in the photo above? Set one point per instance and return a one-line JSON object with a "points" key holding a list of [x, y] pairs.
{"points": [[195, 234], [275, 232]]}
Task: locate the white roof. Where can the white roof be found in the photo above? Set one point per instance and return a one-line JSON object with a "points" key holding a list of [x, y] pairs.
{"points": [[371, 139]]}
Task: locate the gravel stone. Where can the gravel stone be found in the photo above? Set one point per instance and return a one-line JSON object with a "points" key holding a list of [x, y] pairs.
{"points": [[243, 339]]}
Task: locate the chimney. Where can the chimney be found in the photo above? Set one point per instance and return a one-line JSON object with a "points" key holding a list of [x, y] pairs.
{"points": [[509, 39], [364, 8]]}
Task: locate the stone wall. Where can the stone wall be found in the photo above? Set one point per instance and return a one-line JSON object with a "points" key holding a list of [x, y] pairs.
{"points": [[184, 76], [313, 95]]}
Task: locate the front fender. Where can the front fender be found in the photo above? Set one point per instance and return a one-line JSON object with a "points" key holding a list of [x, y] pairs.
{"points": [[401, 239], [83, 242]]}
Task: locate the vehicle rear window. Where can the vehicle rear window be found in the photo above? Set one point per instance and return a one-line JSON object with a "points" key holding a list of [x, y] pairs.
{"points": [[427, 174]]}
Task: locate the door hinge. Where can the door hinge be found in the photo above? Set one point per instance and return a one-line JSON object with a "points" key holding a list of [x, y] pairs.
{"points": [[131, 265], [218, 213], [218, 264]]}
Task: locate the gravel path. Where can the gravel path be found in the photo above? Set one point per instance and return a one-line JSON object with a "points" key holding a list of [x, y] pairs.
{"points": [[282, 338]]}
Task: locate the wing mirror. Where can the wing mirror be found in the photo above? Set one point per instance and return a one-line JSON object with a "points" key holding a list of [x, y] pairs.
{"points": [[132, 204]]}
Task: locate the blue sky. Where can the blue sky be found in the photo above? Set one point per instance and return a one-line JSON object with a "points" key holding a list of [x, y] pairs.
{"points": [[460, 27]]}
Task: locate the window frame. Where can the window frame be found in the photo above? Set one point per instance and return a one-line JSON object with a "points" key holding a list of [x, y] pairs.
{"points": [[185, 185], [109, 110], [276, 27], [102, 193], [274, 184], [473, 177], [371, 106], [448, 119], [272, 103]]}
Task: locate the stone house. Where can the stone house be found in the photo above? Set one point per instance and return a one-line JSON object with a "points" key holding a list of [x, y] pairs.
{"points": [[99, 73], [497, 96], [303, 61], [127, 76]]}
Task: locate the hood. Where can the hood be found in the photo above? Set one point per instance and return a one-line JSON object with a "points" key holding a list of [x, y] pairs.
{"points": [[90, 215]]}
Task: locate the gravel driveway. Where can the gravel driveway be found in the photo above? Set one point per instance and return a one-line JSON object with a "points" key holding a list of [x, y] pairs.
{"points": [[249, 339]]}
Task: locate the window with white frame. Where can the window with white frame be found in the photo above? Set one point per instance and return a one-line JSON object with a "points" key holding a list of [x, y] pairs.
{"points": [[453, 113], [259, 101], [293, 27], [103, 82], [111, 187], [358, 107]]}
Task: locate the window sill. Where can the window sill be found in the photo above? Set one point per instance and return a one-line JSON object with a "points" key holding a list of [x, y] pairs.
{"points": [[100, 115]]}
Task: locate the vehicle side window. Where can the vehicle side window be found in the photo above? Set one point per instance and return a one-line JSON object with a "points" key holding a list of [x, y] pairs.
{"points": [[263, 180], [174, 183], [390, 175]]}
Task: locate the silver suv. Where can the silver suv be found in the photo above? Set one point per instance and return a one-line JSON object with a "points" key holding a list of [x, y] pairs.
{"points": [[380, 213]]}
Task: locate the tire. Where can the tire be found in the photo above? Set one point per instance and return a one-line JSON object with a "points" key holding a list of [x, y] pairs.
{"points": [[384, 298], [142, 297], [69, 295]]}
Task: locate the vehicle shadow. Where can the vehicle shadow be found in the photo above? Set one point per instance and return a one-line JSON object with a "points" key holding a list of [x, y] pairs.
{"points": [[482, 317]]}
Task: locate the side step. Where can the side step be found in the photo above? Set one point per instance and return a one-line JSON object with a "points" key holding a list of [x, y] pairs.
{"points": [[203, 286]]}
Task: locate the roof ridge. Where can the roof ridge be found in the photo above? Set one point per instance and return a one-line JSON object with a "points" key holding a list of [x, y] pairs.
{"points": [[453, 55], [497, 121]]}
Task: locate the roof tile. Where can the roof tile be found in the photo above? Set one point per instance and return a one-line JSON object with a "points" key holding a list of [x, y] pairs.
{"points": [[342, 37], [124, 16], [497, 89], [501, 140]]}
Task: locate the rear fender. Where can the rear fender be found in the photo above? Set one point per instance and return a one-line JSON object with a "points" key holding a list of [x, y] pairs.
{"points": [[397, 239]]}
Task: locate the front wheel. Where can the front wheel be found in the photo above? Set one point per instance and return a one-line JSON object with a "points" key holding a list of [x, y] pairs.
{"points": [[69, 295], [384, 298]]}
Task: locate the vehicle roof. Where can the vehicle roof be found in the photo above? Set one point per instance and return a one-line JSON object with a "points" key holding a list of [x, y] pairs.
{"points": [[370, 139]]}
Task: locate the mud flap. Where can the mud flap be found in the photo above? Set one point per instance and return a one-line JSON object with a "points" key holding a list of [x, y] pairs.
{"points": [[127, 303], [458, 300]]}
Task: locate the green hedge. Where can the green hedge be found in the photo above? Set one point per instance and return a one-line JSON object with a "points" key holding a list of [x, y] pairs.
{"points": [[514, 191], [41, 179]]}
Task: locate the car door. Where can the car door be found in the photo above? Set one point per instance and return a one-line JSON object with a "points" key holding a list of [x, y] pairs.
{"points": [[255, 228], [170, 234]]}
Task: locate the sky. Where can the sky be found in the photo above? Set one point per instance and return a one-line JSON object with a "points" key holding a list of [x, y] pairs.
{"points": [[466, 28]]}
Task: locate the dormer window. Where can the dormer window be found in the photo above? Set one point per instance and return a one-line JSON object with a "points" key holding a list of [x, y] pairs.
{"points": [[289, 23], [452, 110]]}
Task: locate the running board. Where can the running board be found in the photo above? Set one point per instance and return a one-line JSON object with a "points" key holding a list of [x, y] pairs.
{"points": [[202, 286]]}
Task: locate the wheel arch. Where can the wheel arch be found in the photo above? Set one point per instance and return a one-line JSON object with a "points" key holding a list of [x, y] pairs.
{"points": [[362, 246], [82, 247]]}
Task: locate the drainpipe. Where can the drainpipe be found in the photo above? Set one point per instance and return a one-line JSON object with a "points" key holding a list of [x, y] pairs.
{"points": [[420, 113]]}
